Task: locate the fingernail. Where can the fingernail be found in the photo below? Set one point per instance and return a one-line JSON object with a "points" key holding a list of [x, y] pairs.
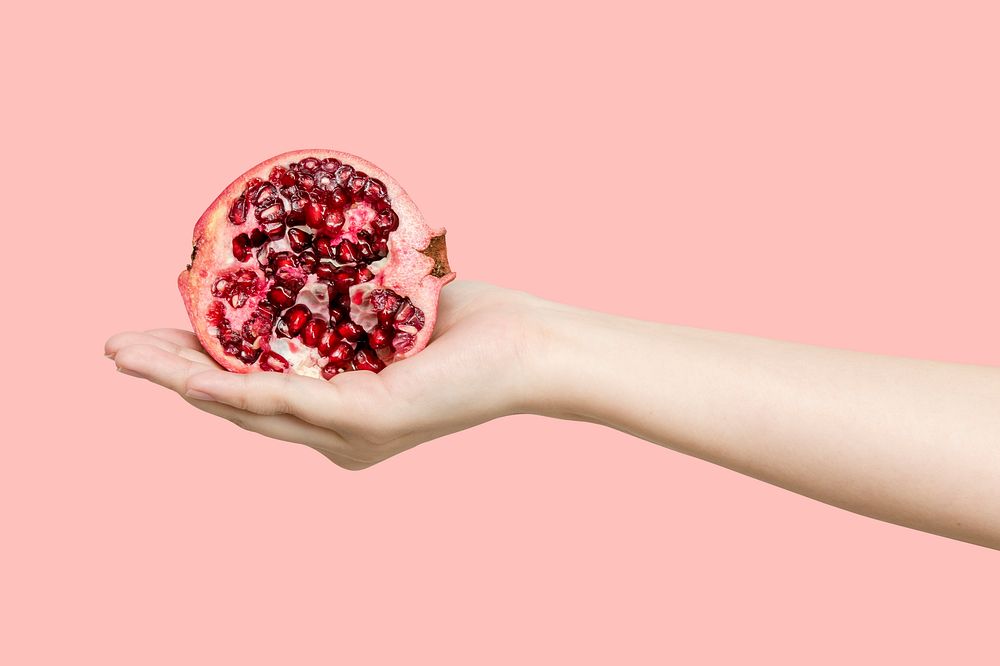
{"points": [[199, 395], [130, 373], [111, 356]]}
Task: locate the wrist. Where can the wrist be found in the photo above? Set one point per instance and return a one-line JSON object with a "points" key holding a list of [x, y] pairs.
{"points": [[575, 361]]}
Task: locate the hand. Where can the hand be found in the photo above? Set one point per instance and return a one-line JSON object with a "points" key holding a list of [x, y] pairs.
{"points": [[908, 441], [475, 369]]}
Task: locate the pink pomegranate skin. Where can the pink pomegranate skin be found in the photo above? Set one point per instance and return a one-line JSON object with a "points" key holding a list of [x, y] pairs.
{"points": [[416, 268]]}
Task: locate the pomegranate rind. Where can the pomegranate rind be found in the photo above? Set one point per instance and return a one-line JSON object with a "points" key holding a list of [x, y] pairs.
{"points": [[414, 268]]}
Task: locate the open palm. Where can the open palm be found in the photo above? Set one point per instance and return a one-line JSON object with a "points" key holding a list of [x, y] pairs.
{"points": [[474, 370]]}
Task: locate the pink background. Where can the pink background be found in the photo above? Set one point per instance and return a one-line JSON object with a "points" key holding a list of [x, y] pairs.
{"points": [[820, 175]]}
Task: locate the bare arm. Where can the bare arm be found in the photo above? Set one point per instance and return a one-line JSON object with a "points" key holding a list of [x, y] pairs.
{"points": [[908, 441]]}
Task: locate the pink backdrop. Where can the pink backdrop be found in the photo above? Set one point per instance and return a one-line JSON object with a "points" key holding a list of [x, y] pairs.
{"points": [[820, 175]]}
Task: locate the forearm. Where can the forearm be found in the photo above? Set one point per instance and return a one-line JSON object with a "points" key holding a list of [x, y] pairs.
{"points": [[909, 441]]}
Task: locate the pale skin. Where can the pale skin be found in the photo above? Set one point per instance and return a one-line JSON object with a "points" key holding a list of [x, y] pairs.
{"points": [[908, 441]]}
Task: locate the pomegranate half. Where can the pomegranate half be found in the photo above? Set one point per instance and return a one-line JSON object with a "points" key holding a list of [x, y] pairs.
{"points": [[314, 262]]}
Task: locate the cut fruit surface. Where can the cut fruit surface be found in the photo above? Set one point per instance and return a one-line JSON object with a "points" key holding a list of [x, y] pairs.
{"points": [[314, 262]]}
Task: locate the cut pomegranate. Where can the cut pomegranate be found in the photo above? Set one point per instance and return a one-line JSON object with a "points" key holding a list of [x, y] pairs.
{"points": [[314, 262]]}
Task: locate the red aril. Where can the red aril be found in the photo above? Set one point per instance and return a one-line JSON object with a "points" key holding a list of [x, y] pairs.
{"points": [[314, 262]]}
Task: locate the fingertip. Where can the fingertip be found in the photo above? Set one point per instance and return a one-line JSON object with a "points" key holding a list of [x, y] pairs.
{"points": [[113, 344]]}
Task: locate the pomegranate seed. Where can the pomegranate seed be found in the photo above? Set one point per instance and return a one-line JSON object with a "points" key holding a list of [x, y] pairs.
{"points": [[238, 212], [384, 302], [365, 274], [344, 278], [347, 252], [290, 278], [237, 299], [272, 362], [312, 332], [403, 341], [253, 184], [408, 317], [222, 287], [309, 164], [276, 174], [323, 248], [258, 237], [306, 181], [281, 297], [384, 318], [314, 215], [375, 188], [387, 222], [248, 354], [366, 252], [333, 222], [297, 198], [344, 174], [340, 354], [296, 318], [241, 247], [274, 230], [381, 248], [381, 206], [284, 260], [228, 337], [326, 270], [245, 278], [281, 329], [357, 182], [271, 210], [216, 313], [326, 343], [265, 193], [308, 261], [379, 337], [336, 316], [325, 181], [342, 302], [330, 164], [366, 359], [330, 370], [299, 239], [339, 197], [350, 331], [257, 325]]}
